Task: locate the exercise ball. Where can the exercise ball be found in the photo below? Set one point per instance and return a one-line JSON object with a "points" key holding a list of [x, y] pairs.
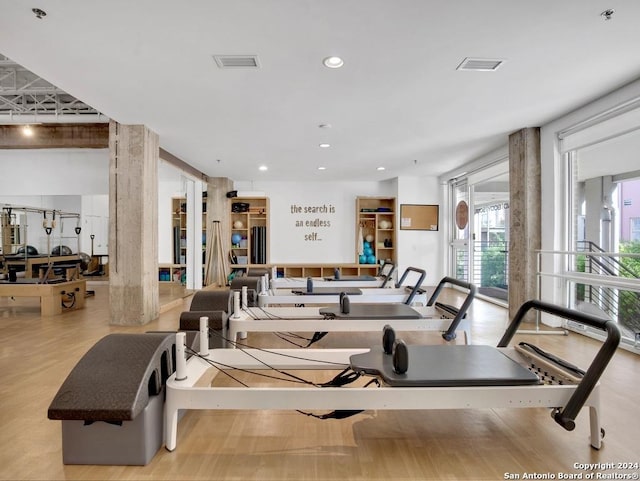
{"points": [[236, 238], [85, 260], [363, 259], [368, 251], [371, 259], [31, 251], [366, 244], [61, 251], [369, 238], [238, 224]]}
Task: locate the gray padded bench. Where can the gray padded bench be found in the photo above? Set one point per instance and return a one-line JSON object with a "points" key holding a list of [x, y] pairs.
{"points": [[216, 305], [253, 285], [111, 404]]}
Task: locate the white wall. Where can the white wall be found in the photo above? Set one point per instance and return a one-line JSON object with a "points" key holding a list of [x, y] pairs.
{"points": [[81, 177], [417, 248], [54, 172], [170, 185], [290, 210], [95, 221], [54, 179], [336, 244]]}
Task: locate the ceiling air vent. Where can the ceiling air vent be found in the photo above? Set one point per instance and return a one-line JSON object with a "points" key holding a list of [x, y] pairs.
{"points": [[480, 64], [236, 61]]}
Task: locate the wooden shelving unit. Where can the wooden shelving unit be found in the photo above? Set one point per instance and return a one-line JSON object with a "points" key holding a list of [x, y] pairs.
{"points": [[249, 243], [176, 271], [375, 221], [325, 270]]}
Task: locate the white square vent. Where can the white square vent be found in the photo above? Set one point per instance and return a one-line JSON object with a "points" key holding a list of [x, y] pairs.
{"points": [[236, 61], [481, 64]]}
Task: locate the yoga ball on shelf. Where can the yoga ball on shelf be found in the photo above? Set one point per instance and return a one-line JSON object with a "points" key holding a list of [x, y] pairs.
{"points": [[238, 224], [61, 251], [363, 259], [368, 251], [31, 251], [371, 259], [369, 238], [236, 238]]}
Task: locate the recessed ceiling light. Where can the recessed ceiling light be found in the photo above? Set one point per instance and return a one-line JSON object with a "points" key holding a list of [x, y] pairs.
{"points": [[263, 167], [324, 126], [380, 168], [27, 131], [322, 168], [333, 62], [324, 146]]}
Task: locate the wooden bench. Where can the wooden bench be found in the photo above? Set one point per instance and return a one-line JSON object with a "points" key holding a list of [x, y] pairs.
{"points": [[51, 295]]}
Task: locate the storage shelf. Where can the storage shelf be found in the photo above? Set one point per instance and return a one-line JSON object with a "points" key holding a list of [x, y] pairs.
{"points": [[368, 221], [257, 215]]}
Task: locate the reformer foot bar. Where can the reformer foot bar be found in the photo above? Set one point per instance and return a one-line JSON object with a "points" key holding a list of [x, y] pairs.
{"points": [[381, 280], [435, 316], [561, 387], [331, 295]]}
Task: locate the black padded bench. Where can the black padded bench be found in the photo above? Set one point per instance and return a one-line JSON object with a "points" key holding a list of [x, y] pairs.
{"points": [[217, 306], [111, 404], [253, 285]]}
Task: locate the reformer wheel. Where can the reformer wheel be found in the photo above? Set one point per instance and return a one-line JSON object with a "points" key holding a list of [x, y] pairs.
{"points": [[345, 303], [388, 338], [400, 357]]}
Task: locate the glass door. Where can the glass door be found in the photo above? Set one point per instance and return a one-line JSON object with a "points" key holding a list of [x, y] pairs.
{"points": [[460, 232], [490, 237], [480, 234]]}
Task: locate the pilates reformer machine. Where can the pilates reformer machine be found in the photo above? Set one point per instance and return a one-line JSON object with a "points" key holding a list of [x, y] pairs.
{"points": [[384, 278], [332, 294], [410, 377], [435, 316], [19, 256]]}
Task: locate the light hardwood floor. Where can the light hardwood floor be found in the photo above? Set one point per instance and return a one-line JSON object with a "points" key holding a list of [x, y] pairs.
{"points": [[37, 353]]}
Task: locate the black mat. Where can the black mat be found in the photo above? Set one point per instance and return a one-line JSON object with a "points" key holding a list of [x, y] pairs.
{"points": [[446, 366], [373, 311], [329, 291]]}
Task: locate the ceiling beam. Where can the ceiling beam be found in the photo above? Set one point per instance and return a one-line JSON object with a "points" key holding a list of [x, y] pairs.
{"points": [[56, 136], [75, 136], [182, 165]]}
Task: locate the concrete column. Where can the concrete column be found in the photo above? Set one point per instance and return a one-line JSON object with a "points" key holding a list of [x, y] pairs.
{"points": [[133, 233], [524, 217]]}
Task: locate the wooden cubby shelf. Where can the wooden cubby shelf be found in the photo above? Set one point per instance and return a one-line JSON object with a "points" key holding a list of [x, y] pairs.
{"points": [[376, 229]]}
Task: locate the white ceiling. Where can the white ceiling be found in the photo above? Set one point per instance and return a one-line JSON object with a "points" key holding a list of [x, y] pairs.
{"points": [[398, 102]]}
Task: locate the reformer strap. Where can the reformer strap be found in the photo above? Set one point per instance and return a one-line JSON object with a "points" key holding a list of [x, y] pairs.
{"points": [[316, 337], [341, 413], [345, 377], [556, 360]]}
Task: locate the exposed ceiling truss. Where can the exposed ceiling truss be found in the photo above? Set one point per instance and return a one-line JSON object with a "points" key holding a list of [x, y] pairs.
{"points": [[27, 97]]}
